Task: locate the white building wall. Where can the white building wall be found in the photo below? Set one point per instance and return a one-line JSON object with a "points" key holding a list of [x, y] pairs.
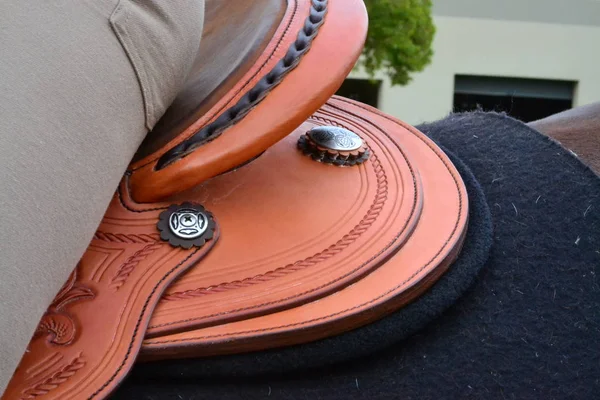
{"points": [[489, 47]]}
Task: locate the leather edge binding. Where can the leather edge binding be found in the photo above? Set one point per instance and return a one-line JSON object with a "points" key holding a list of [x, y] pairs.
{"points": [[255, 95]]}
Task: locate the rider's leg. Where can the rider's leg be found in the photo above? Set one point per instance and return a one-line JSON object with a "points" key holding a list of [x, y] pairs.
{"points": [[81, 83]]}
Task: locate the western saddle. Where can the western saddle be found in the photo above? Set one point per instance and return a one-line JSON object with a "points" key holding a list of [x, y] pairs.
{"points": [[261, 212]]}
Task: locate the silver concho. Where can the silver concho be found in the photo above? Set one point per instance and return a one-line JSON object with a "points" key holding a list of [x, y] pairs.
{"points": [[335, 138], [188, 223]]}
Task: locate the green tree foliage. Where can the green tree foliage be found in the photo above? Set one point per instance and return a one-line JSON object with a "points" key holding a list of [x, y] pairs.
{"points": [[400, 36]]}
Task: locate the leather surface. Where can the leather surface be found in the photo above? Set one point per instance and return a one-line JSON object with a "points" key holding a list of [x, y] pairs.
{"points": [[313, 249], [90, 335], [297, 230], [337, 45]]}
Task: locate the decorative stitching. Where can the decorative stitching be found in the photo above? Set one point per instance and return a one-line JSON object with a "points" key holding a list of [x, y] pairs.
{"points": [[250, 79], [382, 251], [336, 248], [139, 322], [130, 264], [125, 238], [54, 381], [410, 278], [288, 63]]}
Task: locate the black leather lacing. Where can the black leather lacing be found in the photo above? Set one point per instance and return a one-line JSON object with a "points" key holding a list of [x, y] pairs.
{"points": [[291, 59]]}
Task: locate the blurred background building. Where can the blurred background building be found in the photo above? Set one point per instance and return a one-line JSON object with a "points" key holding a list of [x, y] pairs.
{"points": [[530, 58]]}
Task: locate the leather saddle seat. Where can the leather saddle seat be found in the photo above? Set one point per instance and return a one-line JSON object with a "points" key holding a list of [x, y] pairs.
{"points": [[235, 34], [262, 211]]}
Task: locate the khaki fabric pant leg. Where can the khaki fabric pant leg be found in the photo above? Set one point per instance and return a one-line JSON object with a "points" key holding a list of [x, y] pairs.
{"points": [[81, 82]]}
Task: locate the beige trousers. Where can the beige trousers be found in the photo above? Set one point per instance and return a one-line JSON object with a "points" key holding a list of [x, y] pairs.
{"points": [[81, 82]]}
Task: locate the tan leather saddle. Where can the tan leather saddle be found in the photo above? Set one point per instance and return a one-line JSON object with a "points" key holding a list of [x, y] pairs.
{"points": [[261, 212]]}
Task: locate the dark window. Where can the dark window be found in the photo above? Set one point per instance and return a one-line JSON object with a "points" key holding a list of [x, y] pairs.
{"points": [[524, 99], [363, 90]]}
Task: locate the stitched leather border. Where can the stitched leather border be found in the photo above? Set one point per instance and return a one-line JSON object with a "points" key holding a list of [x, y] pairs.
{"points": [[378, 254], [374, 300], [271, 80], [138, 328], [153, 157], [366, 221]]}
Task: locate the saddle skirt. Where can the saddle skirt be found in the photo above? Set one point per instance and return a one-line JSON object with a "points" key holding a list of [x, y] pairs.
{"points": [[263, 211]]}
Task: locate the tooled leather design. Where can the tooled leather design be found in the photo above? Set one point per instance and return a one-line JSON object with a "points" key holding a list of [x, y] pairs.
{"points": [[462, 207], [132, 262], [369, 218], [83, 345], [60, 326], [123, 238], [55, 380], [288, 63]]}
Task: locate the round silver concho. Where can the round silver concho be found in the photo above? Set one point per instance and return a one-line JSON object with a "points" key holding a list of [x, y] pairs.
{"points": [[186, 225], [335, 138]]}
